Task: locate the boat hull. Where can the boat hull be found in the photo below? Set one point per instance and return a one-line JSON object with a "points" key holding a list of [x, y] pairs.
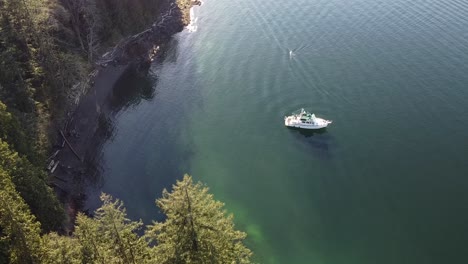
{"points": [[293, 121], [304, 126]]}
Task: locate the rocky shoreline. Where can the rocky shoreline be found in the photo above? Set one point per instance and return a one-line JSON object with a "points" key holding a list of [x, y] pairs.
{"points": [[74, 161]]}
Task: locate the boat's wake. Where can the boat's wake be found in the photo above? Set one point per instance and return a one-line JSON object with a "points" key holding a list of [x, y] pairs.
{"points": [[293, 52]]}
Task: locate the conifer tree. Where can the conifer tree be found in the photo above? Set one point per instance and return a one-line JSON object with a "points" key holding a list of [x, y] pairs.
{"points": [[115, 226], [30, 182], [3, 249], [93, 248], [11, 131], [110, 237], [197, 229], [61, 250], [19, 226]]}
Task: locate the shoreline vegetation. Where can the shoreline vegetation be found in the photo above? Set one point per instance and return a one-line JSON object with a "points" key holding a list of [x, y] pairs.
{"points": [[54, 116]]}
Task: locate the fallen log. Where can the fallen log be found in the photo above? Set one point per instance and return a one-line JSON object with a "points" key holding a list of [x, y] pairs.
{"points": [[70, 146], [55, 167], [53, 155], [50, 165]]}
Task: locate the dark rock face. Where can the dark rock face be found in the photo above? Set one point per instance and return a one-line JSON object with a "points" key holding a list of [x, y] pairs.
{"points": [[140, 48]]}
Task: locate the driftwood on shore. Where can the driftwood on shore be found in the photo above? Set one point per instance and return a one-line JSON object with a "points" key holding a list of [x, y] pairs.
{"points": [[49, 167], [55, 167], [53, 155], [70, 146]]}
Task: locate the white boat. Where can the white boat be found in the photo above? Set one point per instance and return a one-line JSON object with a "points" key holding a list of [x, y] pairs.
{"points": [[305, 120]]}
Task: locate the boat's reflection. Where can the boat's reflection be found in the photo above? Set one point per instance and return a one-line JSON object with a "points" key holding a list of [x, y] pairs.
{"points": [[309, 132], [319, 140]]}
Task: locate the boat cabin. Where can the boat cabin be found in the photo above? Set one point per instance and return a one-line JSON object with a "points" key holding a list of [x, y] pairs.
{"points": [[308, 118]]}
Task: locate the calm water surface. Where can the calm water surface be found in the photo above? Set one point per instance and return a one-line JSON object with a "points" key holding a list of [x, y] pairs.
{"points": [[386, 183]]}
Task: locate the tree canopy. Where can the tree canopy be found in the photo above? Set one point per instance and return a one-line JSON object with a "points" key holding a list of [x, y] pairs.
{"points": [[19, 226], [197, 230], [30, 182]]}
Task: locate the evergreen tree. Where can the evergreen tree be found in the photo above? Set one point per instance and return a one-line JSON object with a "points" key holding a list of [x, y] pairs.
{"points": [[4, 247], [19, 226], [110, 237], [197, 229], [30, 182], [61, 250], [12, 132], [94, 248]]}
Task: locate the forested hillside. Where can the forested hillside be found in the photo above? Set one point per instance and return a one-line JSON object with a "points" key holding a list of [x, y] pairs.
{"points": [[47, 46]]}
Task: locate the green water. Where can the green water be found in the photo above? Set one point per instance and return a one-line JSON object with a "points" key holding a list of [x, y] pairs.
{"points": [[385, 183]]}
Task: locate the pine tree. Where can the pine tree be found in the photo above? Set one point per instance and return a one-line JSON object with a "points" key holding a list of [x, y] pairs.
{"points": [[116, 227], [12, 132], [61, 250], [30, 182], [197, 229], [19, 226], [110, 237], [94, 248], [4, 247]]}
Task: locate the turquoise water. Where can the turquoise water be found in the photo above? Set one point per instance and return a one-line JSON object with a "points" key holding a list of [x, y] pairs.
{"points": [[385, 183]]}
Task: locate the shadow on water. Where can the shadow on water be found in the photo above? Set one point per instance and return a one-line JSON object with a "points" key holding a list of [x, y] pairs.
{"points": [[151, 164], [318, 141], [88, 128], [135, 84], [130, 89], [133, 87]]}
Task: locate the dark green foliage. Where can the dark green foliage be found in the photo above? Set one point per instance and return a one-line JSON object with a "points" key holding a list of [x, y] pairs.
{"points": [[18, 225], [117, 14], [30, 182], [18, 65], [27, 66], [61, 250], [110, 237], [12, 132], [4, 246], [197, 228], [48, 46]]}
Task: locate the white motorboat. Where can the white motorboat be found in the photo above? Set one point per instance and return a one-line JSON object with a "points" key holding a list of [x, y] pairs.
{"points": [[305, 120]]}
